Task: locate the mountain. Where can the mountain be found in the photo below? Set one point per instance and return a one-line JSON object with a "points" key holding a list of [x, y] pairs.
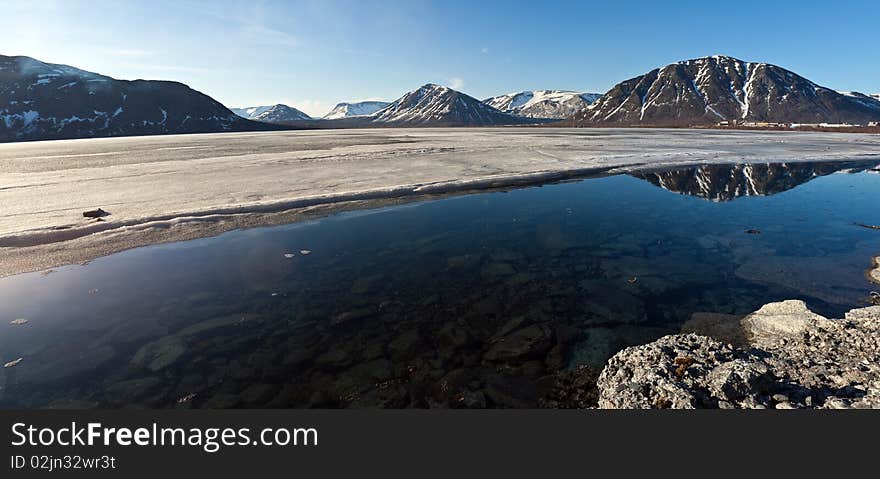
{"points": [[361, 108], [42, 101], [719, 183], [876, 96], [271, 114], [542, 103], [707, 90], [435, 105], [867, 100]]}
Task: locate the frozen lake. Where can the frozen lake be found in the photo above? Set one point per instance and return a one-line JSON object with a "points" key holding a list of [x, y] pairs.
{"points": [[168, 188], [479, 300]]}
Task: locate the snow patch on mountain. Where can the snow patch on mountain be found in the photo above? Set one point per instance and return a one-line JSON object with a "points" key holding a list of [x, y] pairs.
{"points": [[721, 88], [271, 113], [353, 109], [867, 100], [542, 103], [250, 111], [41, 101]]}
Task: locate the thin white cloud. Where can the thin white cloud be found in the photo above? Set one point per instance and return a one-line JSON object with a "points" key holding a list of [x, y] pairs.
{"points": [[262, 34], [151, 67], [130, 52], [484, 50], [456, 83]]}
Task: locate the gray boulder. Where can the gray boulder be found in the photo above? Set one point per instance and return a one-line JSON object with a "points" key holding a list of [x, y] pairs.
{"points": [[794, 358]]}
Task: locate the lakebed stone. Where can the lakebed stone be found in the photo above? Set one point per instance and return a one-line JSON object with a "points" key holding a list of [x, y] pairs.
{"points": [[874, 272], [159, 354], [67, 368], [131, 390], [529, 342], [725, 327]]}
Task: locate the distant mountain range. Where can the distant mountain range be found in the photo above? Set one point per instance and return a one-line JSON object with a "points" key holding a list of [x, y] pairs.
{"points": [[708, 90], [556, 104], [435, 105], [353, 109], [720, 183], [271, 114], [46, 101], [41, 101]]}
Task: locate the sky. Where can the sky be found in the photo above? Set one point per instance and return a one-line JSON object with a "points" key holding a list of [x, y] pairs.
{"points": [[311, 54]]}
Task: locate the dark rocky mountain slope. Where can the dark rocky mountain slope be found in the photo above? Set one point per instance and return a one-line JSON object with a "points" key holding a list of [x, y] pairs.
{"points": [[712, 89], [271, 113], [435, 105], [41, 101]]}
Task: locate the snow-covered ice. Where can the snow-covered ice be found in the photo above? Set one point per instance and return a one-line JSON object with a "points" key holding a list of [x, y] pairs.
{"points": [[166, 188]]}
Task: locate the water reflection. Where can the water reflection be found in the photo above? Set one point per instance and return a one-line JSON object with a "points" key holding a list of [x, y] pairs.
{"points": [[728, 182]]}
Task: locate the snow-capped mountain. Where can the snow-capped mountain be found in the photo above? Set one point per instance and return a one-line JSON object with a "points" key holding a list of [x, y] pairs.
{"points": [[712, 89], [543, 103], [435, 105], [719, 183], [350, 109], [40, 101], [271, 113], [875, 96]]}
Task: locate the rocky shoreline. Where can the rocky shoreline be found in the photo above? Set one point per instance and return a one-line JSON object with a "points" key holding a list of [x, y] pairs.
{"points": [[782, 356]]}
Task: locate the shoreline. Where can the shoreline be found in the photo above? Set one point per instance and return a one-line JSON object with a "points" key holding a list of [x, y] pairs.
{"points": [[30, 255], [165, 189], [770, 362]]}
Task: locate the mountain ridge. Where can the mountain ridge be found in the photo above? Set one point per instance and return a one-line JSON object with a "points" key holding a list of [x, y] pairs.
{"points": [[44, 101], [709, 90], [271, 113], [355, 109], [435, 105], [550, 104]]}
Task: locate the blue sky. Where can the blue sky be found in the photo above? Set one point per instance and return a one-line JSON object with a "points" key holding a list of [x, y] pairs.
{"points": [[312, 54]]}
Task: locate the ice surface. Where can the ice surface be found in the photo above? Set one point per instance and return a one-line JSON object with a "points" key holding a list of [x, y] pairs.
{"points": [[183, 183]]}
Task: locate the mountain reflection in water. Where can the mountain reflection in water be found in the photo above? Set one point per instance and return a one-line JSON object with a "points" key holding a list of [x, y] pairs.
{"points": [[728, 182]]}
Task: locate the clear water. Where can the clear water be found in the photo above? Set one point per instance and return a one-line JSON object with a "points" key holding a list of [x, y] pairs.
{"points": [[473, 301]]}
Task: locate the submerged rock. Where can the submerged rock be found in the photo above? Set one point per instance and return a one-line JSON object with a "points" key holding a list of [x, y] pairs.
{"points": [[159, 354], [530, 342], [726, 327], [570, 389], [66, 367], [795, 359], [874, 272], [607, 305], [222, 401], [808, 276], [131, 390], [257, 395]]}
